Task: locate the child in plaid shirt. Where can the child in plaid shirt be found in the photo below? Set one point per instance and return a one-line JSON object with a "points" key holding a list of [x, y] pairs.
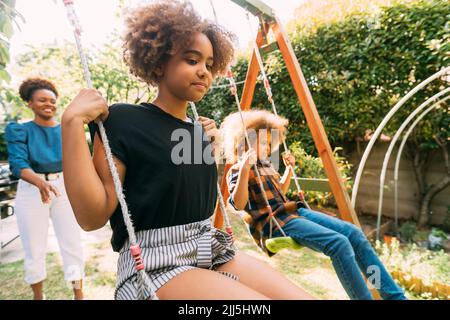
{"points": [[346, 245]]}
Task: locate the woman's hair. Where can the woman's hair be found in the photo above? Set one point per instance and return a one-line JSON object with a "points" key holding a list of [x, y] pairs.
{"points": [[30, 85], [157, 31], [233, 133]]}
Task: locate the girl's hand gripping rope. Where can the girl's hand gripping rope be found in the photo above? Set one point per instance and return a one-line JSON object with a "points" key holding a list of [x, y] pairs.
{"points": [[88, 105]]}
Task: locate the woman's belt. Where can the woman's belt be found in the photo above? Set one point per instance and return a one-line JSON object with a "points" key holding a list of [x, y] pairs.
{"points": [[49, 176]]}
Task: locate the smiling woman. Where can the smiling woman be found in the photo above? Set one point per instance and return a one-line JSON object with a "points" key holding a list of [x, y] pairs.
{"points": [[40, 95], [35, 156]]}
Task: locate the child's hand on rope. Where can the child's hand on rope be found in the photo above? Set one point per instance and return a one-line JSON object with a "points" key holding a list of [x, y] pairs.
{"points": [[289, 160], [88, 105], [210, 128]]}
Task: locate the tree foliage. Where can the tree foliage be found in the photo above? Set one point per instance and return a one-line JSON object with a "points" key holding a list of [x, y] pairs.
{"points": [[8, 15], [61, 64], [359, 59], [357, 69]]}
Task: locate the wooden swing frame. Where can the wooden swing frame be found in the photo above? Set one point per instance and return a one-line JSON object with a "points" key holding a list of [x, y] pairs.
{"points": [[269, 22]]}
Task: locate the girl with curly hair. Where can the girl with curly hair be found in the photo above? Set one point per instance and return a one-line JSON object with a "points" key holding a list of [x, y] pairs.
{"points": [[171, 193], [347, 246], [35, 157]]}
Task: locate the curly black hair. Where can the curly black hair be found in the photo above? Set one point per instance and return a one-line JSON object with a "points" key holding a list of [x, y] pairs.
{"points": [[30, 85], [157, 31]]}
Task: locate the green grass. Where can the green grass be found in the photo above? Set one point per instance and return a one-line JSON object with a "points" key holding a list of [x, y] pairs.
{"points": [[97, 284], [14, 287]]}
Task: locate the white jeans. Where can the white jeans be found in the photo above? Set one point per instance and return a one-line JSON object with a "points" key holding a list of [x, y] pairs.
{"points": [[33, 221]]}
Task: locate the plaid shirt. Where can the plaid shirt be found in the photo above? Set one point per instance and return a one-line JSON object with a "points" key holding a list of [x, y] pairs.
{"points": [[258, 219]]}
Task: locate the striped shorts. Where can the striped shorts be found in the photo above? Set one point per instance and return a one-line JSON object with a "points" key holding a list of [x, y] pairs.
{"points": [[169, 251]]}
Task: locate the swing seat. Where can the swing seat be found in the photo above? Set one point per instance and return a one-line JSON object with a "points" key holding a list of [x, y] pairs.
{"points": [[275, 245]]}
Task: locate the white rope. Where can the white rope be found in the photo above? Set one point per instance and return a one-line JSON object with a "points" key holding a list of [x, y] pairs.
{"points": [[143, 278], [258, 176], [274, 108], [221, 86], [214, 10], [228, 226]]}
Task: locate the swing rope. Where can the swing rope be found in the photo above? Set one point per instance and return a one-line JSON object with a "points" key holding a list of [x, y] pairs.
{"points": [[143, 279], [234, 92], [247, 140], [228, 227], [269, 94]]}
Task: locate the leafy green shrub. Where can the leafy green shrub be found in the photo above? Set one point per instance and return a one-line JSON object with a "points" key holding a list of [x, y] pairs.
{"points": [[439, 233], [436, 238], [408, 230], [308, 166], [356, 68], [429, 266]]}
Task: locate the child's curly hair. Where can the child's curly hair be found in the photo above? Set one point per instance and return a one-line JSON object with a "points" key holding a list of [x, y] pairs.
{"points": [[158, 31], [30, 85], [233, 133]]}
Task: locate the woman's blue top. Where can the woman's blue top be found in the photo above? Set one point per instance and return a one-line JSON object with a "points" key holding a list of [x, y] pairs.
{"points": [[33, 146]]}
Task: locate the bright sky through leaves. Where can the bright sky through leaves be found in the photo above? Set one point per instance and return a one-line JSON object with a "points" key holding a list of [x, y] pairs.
{"points": [[46, 20]]}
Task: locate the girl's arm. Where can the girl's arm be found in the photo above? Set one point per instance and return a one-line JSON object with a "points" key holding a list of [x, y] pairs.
{"points": [[88, 182], [286, 180], [240, 193]]}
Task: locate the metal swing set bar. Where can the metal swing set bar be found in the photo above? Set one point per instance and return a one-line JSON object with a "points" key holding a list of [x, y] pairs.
{"points": [[268, 21]]}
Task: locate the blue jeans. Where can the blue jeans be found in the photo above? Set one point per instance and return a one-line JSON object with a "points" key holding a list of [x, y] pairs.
{"points": [[350, 252]]}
